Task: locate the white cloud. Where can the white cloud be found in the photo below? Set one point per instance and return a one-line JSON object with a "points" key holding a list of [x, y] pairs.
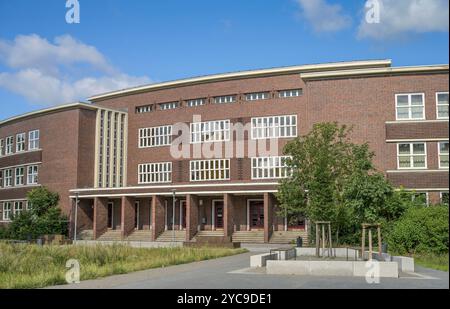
{"points": [[323, 16], [401, 17], [44, 72]]}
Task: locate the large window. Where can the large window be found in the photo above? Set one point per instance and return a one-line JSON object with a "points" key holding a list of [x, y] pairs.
{"points": [[290, 93], [444, 198], [195, 102], [18, 207], [169, 105], [7, 209], [7, 178], [2, 146], [412, 156], [33, 140], [442, 105], [210, 170], [270, 168], [9, 145], [257, 96], [410, 106], [155, 173], [274, 127], [210, 131], [225, 99], [155, 137], [32, 175], [443, 154], [20, 142], [1, 178], [20, 176], [144, 109]]}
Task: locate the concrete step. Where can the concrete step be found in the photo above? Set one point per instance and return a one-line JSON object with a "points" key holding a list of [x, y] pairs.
{"points": [[287, 237], [113, 235], [169, 236], [248, 237], [210, 234], [140, 235]]}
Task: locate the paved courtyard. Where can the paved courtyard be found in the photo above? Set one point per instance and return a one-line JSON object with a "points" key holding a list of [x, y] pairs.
{"points": [[233, 273]]}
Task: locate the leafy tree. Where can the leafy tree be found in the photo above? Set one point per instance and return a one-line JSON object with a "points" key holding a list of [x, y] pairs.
{"points": [[43, 218]]}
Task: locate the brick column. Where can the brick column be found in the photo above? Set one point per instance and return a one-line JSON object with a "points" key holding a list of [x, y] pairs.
{"points": [[268, 216], [228, 209], [158, 216], [191, 216], [100, 216], [127, 216]]}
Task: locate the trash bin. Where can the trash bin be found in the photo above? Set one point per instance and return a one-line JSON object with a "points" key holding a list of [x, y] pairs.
{"points": [[299, 242], [384, 247]]}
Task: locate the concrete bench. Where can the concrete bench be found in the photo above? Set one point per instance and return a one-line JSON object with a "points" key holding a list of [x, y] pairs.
{"points": [[260, 260]]}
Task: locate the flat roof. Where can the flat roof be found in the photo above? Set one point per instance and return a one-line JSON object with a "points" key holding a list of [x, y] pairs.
{"points": [[348, 65]]}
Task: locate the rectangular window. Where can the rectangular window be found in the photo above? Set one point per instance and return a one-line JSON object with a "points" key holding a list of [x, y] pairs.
{"points": [[9, 145], [167, 106], [20, 142], [2, 147], [18, 207], [210, 170], [412, 156], [7, 180], [444, 198], [442, 105], [20, 176], [155, 137], [421, 197], [32, 175], [410, 106], [274, 127], [257, 96], [7, 208], [33, 140], [195, 102], [210, 131], [270, 168], [225, 99], [443, 154], [144, 109], [1, 178], [290, 93], [155, 173]]}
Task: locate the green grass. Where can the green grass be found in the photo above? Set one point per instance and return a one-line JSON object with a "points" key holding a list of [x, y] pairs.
{"points": [[29, 266], [439, 262]]}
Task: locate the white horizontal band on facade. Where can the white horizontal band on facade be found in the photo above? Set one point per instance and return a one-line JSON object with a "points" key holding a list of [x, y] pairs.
{"points": [[417, 171], [20, 165], [177, 193], [180, 186], [14, 200], [20, 187], [416, 121], [423, 189], [438, 139]]}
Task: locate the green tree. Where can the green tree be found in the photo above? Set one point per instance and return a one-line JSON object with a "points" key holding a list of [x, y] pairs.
{"points": [[43, 218]]}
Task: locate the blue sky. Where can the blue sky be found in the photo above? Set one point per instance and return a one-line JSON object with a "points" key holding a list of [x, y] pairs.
{"points": [[121, 43]]}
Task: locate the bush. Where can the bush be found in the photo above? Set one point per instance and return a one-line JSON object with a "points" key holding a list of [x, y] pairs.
{"points": [[421, 230]]}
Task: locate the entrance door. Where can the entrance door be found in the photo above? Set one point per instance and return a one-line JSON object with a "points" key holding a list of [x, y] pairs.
{"points": [[218, 208], [183, 215], [111, 215], [256, 215]]}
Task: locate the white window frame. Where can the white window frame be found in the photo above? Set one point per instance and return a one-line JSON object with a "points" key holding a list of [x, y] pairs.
{"points": [[169, 105], [7, 178], [2, 173], [32, 174], [411, 156], [409, 106], [210, 131], [19, 178], [20, 142], [437, 104], [292, 93], [257, 96], [195, 102], [209, 171], [150, 173], [442, 154], [427, 197], [270, 127], [7, 211], [34, 140], [155, 137], [9, 145], [441, 197], [225, 99], [18, 207], [2, 146], [268, 167], [144, 109]]}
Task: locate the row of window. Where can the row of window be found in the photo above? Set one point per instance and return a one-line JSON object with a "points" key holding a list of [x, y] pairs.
{"points": [[283, 94], [7, 144], [412, 106], [212, 170], [13, 208], [7, 179], [423, 197], [220, 131], [414, 155]]}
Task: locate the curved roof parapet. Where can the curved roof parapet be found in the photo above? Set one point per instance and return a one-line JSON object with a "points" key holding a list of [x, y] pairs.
{"points": [[441, 68], [54, 109], [365, 64]]}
